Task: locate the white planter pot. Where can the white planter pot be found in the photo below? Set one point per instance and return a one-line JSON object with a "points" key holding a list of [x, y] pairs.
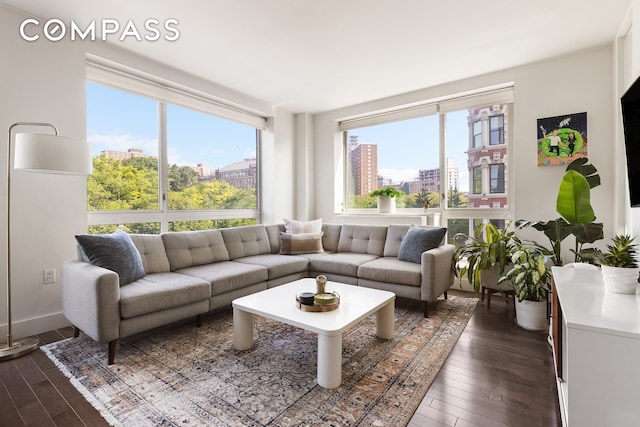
{"points": [[620, 280], [532, 315], [386, 204]]}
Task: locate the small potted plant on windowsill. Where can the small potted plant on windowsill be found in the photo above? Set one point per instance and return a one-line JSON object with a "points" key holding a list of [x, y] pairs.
{"points": [[387, 198]]}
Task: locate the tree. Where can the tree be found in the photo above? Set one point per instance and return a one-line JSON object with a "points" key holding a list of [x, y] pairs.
{"points": [[181, 177]]}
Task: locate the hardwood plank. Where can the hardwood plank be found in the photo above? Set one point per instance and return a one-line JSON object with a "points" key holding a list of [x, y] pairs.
{"points": [[10, 414], [84, 410]]}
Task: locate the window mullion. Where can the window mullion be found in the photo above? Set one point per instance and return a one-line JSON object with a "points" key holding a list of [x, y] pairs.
{"points": [[163, 184]]}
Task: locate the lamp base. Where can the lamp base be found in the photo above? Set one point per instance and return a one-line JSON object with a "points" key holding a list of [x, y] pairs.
{"points": [[19, 348]]}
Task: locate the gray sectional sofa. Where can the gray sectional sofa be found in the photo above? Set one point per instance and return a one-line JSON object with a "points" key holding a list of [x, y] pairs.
{"points": [[190, 273]]}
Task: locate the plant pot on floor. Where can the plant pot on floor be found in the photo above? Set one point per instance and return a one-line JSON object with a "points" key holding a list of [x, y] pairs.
{"points": [[532, 315], [620, 280], [386, 204]]}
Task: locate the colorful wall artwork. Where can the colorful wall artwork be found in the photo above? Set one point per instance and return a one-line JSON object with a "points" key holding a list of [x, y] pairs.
{"points": [[562, 139]]}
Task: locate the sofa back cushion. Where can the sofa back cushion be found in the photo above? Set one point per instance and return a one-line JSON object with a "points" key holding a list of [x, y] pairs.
{"points": [[191, 248], [395, 234], [246, 241], [152, 252], [331, 236], [363, 239], [273, 232]]}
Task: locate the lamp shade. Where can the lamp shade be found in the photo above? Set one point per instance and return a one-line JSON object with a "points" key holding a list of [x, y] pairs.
{"points": [[43, 153]]}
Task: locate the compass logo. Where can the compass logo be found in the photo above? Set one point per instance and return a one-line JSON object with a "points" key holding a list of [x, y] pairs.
{"points": [[31, 29]]}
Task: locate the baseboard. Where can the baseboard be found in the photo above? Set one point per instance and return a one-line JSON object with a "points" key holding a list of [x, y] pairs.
{"points": [[33, 326]]}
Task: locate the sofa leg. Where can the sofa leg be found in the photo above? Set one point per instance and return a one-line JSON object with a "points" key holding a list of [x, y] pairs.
{"points": [[199, 318], [446, 295], [425, 308], [112, 352], [76, 332]]}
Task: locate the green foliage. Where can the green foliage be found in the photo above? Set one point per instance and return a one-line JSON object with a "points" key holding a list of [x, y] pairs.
{"points": [[573, 203], [621, 254], [529, 276], [457, 199], [418, 200], [132, 184], [387, 192], [489, 246]]}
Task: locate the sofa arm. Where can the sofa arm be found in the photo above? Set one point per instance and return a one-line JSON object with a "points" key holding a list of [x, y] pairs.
{"points": [[437, 272], [91, 300]]}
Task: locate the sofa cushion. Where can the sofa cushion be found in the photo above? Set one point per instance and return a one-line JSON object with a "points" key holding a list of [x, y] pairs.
{"points": [[303, 243], [391, 270], [363, 239], [227, 276], [395, 234], [343, 263], [331, 236], [160, 291], [115, 252], [418, 240], [292, 226], [190, 248], [152, 252], [277, 265], [246, 241], [273, 233]]}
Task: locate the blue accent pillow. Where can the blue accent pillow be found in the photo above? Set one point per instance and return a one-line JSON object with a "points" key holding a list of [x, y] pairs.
{"points": [[418, 240], [115, 252]]}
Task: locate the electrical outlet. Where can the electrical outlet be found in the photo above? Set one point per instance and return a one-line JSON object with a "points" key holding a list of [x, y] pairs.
{"points": [[49, 275]]}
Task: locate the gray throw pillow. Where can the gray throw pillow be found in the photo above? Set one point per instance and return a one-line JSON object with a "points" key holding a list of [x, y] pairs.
{"points": [[115, 252], [418, 240]]}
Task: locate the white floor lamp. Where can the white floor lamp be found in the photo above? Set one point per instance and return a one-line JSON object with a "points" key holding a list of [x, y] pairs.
{"points": [[44, 153]]}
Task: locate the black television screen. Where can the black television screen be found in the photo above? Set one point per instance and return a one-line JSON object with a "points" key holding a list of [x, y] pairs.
{"points": [[631, 122]]}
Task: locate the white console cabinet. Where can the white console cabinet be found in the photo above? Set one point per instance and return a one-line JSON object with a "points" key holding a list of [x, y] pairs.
{"points": [[596, 343]]}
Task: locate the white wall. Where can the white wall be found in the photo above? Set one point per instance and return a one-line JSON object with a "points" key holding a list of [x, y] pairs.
{"points": [[574, 83], [41, 82]]}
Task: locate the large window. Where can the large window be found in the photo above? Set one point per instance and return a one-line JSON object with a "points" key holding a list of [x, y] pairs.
{"points": [[452, 153], [159, 166]]}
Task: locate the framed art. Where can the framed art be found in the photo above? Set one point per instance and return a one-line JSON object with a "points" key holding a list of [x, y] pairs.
{"points": [[562, 139]]}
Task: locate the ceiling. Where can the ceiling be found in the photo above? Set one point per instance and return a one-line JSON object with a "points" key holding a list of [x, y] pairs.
{"points": [[318, 55]]}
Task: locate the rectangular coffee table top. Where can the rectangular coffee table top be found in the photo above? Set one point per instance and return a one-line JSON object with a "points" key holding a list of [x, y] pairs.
{"points": [[279, 303]]}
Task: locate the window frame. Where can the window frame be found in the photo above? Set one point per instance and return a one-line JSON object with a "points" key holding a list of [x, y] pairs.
{"points": [[163, 93], [498, 130], [499, 179], [482, 97]]}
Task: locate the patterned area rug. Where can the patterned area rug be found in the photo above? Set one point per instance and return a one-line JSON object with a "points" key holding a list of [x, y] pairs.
{"points": [[187, 376]]}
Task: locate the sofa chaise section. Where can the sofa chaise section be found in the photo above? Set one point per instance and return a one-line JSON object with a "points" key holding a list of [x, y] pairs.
{"points": [[97, 304]]}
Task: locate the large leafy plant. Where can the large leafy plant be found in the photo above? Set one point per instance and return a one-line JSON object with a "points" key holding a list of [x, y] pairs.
{"points": [[488, 247], [573, 203], [529, 276]]}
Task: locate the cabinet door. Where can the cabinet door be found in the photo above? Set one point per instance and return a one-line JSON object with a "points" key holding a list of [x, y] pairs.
{"points": [[556, 330]]}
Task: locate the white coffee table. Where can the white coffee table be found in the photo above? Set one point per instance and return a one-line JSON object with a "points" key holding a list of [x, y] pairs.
{"points": [[279, 304]]}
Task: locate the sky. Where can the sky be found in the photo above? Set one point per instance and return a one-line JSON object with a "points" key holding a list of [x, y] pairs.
{"points": [[407, 146], [117, 121]]}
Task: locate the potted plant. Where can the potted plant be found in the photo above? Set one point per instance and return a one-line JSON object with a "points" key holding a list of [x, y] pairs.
{"points": [[620, 268], [530, 279], [484, 257], [573, 203], [386, 198]]}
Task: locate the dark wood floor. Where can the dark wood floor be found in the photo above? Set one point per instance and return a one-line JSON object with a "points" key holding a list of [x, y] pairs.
{"points": [[497, 375]]}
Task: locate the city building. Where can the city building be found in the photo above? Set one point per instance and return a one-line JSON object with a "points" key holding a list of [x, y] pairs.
{"points": [[123, 155], [488, 157], [239, 174], [364, 166]]}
